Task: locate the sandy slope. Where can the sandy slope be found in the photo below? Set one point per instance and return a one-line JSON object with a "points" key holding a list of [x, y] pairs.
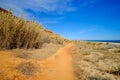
{"points": [[55, 67]]}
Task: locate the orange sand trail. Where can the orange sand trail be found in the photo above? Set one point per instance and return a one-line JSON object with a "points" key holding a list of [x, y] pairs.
{"points": [[59, 66]]}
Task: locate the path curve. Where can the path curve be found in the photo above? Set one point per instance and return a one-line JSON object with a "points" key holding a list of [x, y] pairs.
{"points": [[59, 65]]}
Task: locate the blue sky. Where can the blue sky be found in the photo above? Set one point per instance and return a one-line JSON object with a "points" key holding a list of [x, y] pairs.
{"points": [[73, 19]]}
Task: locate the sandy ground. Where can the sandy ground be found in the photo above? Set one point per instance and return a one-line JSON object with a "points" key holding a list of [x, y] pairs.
{"points": [[55, 67], [60, 65]]}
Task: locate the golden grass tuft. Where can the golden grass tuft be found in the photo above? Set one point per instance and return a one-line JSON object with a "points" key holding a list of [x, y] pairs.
{"points": [[20, 33], [16, 32], [26, 68], [44, 52], [23, 55]]}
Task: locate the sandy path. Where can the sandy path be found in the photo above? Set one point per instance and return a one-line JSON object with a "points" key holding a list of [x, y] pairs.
{"points": [[59, 66]]}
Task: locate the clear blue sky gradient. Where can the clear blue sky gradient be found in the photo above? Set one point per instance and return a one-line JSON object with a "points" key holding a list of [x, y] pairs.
{"points": [[73, 19]]}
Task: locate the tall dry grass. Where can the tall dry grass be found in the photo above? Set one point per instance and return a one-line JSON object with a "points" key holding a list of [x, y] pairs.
{"points": [[20, 33]]}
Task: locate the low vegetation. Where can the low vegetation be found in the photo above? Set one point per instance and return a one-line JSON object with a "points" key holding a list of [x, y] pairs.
{"points": [[96, 61], [97, 78], [45, 51], [26, 68], [115, 71], [23, 55], [16, 32]]}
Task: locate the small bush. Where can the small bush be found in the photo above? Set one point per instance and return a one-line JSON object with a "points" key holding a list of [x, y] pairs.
{"points": [[116, 71], [27, 68], [93, 78], [94, 43], [107, 43], [117, 51], [57, 39], [89, 42], [100, 43], [97, 78], [23, 55], [86, 53]]}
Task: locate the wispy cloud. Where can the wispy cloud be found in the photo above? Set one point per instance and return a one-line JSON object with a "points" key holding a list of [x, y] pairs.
{"points": [[57, 6], [85, 3], [38, 6], [86, 31]]}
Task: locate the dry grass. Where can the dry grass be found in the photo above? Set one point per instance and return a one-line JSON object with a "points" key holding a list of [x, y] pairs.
{"points": [[97, 78], [45, 51], [26, 68], [115, 71], [96, 61], [57, 39], [24, 55], [19, 33], [16, 32]]}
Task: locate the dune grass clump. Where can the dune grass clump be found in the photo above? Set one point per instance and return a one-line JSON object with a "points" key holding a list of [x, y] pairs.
{"points": [[97, 78], [116, 71], [23, 55], [117, 51], [26, 68], [57, 39], [18, 33]]}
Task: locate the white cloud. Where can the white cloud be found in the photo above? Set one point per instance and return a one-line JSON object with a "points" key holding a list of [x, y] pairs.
{"points": [[38, 5]]}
